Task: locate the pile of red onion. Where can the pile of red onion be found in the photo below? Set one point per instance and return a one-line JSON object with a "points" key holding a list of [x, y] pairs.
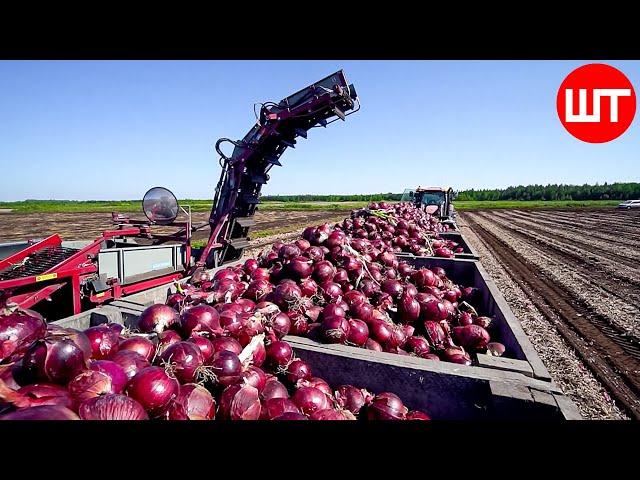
{"points": [[401, 227], [226, 362]]}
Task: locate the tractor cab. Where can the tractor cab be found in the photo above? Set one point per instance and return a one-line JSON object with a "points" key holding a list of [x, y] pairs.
{"points": [[434, 200]]}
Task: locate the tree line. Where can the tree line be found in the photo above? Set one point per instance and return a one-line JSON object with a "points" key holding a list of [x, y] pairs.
{"points": [[612, 191], [606, 191]]}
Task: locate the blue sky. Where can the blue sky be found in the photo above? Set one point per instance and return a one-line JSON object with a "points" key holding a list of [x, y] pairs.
{"points": [[111, 129]]}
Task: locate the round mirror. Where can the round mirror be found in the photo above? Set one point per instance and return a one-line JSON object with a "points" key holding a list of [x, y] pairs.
{"points": [[160, 205]]}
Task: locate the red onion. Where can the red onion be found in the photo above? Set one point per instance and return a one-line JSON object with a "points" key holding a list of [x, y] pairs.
{"points": [[392, 287], [44, 412], [201, 275], [424, 278], [291, 416], [281, 324], [495, 349], [435, 334], [417, 415], [456, 355], [323, 271], [54, 359], [434, 310], [299, 324], [18, 331], [289, 251], [276, 407], [226, 274], [193, 402], [258, 289], [310, 400], [202, 319], [286, 293], [166, 339], [90, 384], [112, 407], [250, 266], [352, 398], [386, 406], [184, 360], [333, 310], [358, 332], [363, 311], [465, 318], [380, 330], [484, 322], [320, 384], [397, 338], [255, 377], [335, 329], [279, 355], [226, 343], [226, 366], [104, 341], [298, 370], [418, 346], [131, 362], [158, 318], [471, 337], [303, 244], [140, 345], [115, 372], [205, 346], [260, 274], [300, 267], [308, 287], [371, 344], [153, 388], [240, 402], [274, 389], [175, 300], [408, 308], [330, 291]]}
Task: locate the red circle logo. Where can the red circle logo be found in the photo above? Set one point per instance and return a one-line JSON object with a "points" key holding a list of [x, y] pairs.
{"points": [[596, 103]]}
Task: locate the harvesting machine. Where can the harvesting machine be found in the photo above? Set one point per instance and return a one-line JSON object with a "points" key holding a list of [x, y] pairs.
{"points": [[135, 255]]}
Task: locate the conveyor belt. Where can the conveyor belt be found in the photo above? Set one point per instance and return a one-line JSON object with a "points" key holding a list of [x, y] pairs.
{"points": [[38, 263]]}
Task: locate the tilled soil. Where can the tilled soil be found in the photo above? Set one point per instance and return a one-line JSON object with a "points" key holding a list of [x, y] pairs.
{"points": [[564, 282], [87, 226]]}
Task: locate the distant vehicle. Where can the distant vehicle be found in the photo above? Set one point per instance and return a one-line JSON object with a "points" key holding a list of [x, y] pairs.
{"points": [[630, 204]]}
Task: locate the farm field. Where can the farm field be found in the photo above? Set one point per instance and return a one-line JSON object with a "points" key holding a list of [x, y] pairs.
{"points": [[580, 270]]}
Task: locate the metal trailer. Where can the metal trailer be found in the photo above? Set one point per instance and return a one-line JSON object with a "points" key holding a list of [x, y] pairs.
{"points": [[515, 386]]}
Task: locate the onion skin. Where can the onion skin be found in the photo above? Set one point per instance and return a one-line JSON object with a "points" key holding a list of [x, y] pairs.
{"points": [[351, 398], [40, 394], [273, 389], [255, 377], [240, 402], [112, 407], [44, 412], [193, 402], [18, 331], [298, 370]]}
